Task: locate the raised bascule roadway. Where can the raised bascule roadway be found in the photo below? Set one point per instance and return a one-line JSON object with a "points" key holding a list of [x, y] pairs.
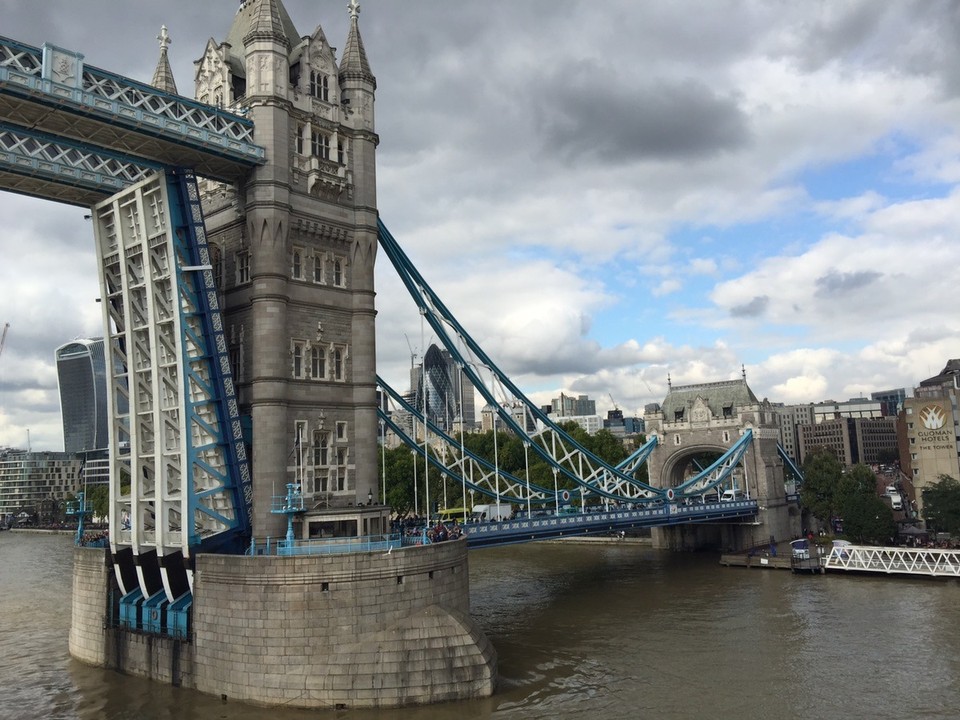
{"points": [[194, 424]]}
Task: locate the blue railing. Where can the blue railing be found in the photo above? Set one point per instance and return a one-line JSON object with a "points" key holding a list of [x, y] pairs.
{"points": [[334, 546]]}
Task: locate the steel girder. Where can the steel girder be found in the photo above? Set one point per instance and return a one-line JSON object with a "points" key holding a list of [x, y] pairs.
{"points": [[40, 165], [52, 91]]}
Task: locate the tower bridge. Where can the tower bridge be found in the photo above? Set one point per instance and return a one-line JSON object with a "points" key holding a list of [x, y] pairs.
{"points": [[236, 235]]}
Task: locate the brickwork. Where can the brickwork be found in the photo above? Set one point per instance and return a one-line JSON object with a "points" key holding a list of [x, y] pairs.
{"points": [[89, 605], [360, 630], [355, 630]]}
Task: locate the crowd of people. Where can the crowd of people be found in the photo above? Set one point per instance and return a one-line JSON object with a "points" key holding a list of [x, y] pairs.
{"points": [[415, 526]]}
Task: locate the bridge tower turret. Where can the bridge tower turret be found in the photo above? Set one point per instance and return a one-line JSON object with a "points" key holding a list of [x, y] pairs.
{"points": [[706, 419], [294, 246]]}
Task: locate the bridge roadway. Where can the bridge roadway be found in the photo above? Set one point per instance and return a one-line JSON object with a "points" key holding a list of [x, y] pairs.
{"points": [[488, 534], [75, 133]]}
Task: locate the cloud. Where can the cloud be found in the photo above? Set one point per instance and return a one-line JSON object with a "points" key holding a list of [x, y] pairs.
{"points": [[835, 283], [754, 308], [555, 173]]}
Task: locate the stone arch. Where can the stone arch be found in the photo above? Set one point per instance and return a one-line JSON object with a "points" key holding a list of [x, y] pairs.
{"points": [[676, 468]]}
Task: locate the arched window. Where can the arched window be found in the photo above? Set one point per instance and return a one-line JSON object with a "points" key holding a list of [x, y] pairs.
{"points": [[297, 269], [321, 448], [318, 363], [338, 364], [319, 85], [298, 360], [338, 272]]}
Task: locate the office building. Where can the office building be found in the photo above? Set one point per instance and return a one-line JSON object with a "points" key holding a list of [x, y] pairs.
{"points": [[81, 376]]}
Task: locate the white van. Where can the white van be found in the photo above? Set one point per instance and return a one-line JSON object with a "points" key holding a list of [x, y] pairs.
{"points": [[896, 502], [491, 513], [731, 495]]}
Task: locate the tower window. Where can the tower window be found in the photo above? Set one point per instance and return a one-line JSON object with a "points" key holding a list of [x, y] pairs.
{"points": [[243, 267], [318, 363], [319, 86], [338, 273], [338, 364], [298, 358], [320, 144], [297, 269]]}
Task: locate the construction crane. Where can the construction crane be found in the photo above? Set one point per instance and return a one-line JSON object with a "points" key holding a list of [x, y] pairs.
{"points": [[615, 406], [6, 326]]}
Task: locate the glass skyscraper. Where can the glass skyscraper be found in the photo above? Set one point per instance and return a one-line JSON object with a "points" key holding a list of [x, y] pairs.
{"points": [[439, 383], [81, 375]]}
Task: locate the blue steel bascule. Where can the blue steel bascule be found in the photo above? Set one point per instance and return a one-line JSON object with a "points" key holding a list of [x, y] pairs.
{"points": [[180, 476], [183, 485]]}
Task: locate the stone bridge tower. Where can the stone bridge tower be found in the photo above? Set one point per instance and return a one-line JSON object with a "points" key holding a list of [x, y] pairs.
{"points": [[710, 418], [294, 248]]}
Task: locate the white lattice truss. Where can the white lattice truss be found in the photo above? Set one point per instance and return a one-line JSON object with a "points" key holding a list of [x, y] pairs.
{"points": [[25, 65], [893, 560], [167, 493]]}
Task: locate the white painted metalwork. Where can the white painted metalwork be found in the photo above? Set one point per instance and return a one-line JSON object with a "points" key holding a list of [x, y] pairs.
{"points": [[168, 465], [894, 560]]}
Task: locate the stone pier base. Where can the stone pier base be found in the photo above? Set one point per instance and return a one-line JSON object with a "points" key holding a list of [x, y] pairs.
{"points": [[357, 630]]}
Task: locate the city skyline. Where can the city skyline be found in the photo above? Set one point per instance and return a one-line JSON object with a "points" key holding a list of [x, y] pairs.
{"points": [[777, 189]]}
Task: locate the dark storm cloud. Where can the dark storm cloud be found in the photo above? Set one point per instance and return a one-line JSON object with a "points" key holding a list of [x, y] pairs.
{"points": [[754, 308], [580, 116], [836, 283]]}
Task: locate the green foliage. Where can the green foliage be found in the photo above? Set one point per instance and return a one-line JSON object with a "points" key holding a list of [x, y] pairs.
{"points": [[509, 453], [98, 500], [867, 520], [821, 475], [941, 505]]}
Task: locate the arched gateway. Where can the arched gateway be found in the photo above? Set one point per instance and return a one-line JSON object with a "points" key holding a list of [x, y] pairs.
{"points": [[697, 423]]}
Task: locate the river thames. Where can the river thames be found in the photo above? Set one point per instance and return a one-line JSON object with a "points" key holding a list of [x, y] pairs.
{"points": [[602, 631]]}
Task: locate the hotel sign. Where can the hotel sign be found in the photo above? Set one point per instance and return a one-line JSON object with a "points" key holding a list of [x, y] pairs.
{"points": [[934, 433]]}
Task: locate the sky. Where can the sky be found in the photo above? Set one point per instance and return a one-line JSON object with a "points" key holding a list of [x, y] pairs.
{"points": [[609, 196]]}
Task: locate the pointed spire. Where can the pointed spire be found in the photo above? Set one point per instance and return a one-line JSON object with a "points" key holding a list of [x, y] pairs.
{"points": [[266, 20], [163, 75], [354, 63]]}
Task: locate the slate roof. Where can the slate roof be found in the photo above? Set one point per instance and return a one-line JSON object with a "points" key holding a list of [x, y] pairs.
{"points": [[717, 396]]}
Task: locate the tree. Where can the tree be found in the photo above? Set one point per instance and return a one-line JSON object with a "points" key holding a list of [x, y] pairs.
{"points": [[866, 518], [98, 500], [821, 474], [941, 505]]}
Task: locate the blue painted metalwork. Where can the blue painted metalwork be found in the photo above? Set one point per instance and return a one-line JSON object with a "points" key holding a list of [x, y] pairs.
{"points": [[550, 442], [718, 471], [60, 78], [79, 509], [154, 613], [208, 387], [91, 171], [598, 523], [178, 616], [130, 609], [513, 486], [290, 505], [791, 466]]}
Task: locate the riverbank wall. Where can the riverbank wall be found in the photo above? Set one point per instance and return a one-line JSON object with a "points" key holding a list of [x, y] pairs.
{"points": [[335, 631]]}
